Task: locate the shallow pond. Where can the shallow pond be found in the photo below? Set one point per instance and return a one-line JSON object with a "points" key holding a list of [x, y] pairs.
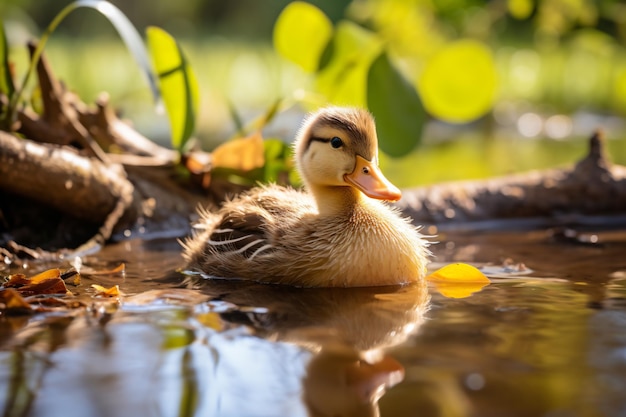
{"points": [[546, 338]]}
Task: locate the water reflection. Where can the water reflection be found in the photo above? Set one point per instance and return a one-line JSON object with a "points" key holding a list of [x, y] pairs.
{"points": [[222, 349], [550, 343]]}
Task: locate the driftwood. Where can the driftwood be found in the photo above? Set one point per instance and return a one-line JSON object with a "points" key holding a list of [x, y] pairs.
{"points": [[62, 178], [86, 165], [592, 192]]}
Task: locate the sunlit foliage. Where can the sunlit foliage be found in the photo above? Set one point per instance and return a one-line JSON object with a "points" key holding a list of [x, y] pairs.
{"points": [[178, 84], [467, 59]]}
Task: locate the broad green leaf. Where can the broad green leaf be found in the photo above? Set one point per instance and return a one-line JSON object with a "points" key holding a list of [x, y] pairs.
{"points": [[396, 106], [520, 9], [178, 83], [6, 81], [301, 34], [343, 77], [459, 83]]}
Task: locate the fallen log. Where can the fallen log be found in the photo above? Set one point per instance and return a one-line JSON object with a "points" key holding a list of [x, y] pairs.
{"points": [[66, 179], [60, 177], [592, 192]]}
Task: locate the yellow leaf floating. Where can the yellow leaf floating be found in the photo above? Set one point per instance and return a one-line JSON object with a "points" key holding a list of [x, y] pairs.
{"points": [[458, 280]]}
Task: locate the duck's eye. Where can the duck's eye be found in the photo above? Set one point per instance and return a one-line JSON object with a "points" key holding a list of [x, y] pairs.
{"points": [[336, 142]]}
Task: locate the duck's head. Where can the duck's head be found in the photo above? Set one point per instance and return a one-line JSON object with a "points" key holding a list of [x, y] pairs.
{"points": [[338, 147]]}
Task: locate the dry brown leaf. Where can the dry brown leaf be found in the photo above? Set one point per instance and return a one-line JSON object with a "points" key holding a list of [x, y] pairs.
{"points": [[118, 270], [47, 282], [101, 291], [54, 273], [11, 300], [16, 280], [244, 154]]}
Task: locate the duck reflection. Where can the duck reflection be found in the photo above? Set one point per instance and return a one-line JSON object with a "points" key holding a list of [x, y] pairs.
{"points": [[341, 382], [346, 332], [275, 352], [363, 318]]}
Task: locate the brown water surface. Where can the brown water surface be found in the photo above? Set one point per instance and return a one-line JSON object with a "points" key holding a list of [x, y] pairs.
{"points": [[546, 338]]}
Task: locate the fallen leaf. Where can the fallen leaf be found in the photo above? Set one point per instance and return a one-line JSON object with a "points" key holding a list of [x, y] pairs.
{"points": [[52, 301], [54, 273], [20, 280], [47, 282], [244, 154], [118, 270], [458, 272], [101, 291], [12, 301], [71, 276], [458, 280], [16, 280]]}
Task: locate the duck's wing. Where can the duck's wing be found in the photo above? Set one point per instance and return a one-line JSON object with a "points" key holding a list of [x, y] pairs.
{"points": [[253, 224], [242, 233]]}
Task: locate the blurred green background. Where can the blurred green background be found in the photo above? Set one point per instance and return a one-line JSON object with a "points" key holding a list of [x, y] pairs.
{"points": [[508, 85]]}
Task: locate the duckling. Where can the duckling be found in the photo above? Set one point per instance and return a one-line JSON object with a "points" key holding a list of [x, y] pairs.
{"points": [[337, 233]]}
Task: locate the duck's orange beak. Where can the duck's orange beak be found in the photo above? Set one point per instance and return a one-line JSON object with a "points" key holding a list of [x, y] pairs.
{"points": [[368, 178]]}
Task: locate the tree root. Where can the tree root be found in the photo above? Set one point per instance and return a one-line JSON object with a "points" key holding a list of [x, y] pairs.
{"points": [[77, 170]]}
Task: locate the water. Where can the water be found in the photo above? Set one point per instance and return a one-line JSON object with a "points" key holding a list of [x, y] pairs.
{"points": [[544, 339]]}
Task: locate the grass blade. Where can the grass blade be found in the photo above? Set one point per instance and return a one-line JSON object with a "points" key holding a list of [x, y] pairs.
{"points": [[124, 27], [6, 81]]}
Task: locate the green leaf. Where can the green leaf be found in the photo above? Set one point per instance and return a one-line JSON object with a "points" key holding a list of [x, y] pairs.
{"points": [[235, 117], [343, 77], [301, 34], [178, 83], [6, 81], [278, 160], [129, 35], [459, 83], [396, 106]]}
